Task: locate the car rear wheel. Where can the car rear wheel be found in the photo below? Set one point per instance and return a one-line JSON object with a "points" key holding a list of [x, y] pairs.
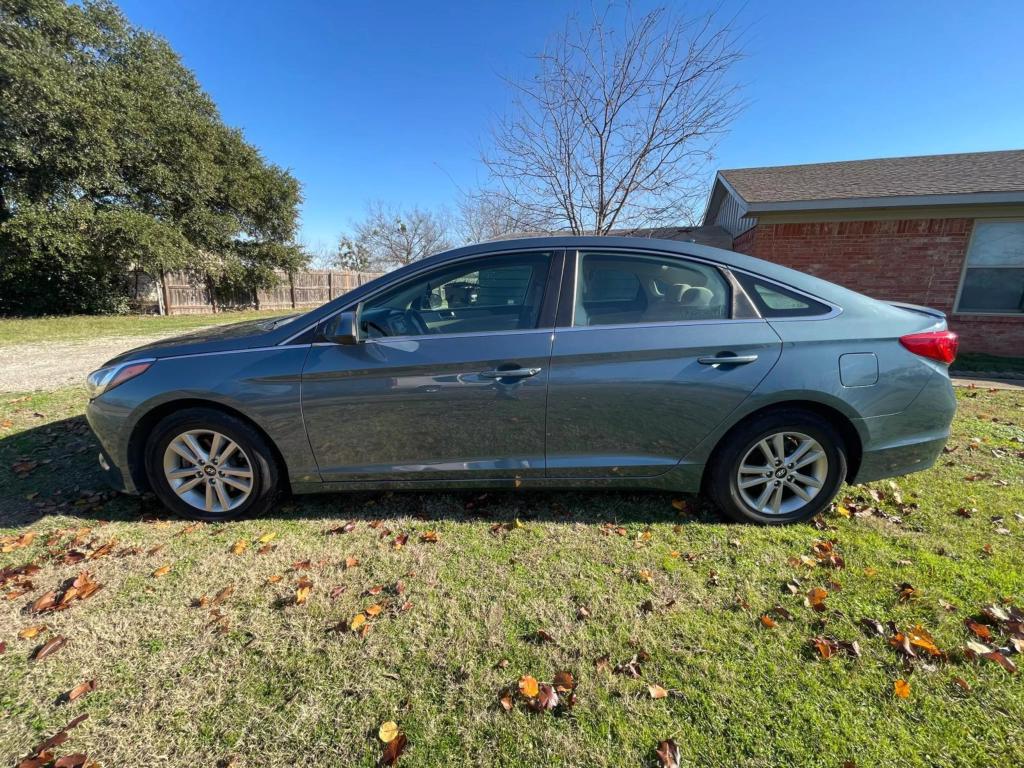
{"points": [[205, 464], [781, 467]]}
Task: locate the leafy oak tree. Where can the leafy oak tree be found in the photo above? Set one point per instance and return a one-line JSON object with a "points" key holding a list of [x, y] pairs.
{"points": [[112, 158]]}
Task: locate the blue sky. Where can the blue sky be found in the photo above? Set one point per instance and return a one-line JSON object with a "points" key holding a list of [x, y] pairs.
{"points": [[371, 100]]}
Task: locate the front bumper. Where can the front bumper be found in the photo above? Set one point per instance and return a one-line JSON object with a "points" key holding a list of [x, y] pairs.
{"points": [[113, 458], [113, 476]]}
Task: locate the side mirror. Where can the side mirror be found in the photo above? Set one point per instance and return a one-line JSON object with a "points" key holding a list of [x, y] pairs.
{"points": [[343, 329]]}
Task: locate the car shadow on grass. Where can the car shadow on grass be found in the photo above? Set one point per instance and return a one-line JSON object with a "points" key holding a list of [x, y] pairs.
{"points": [[51, 470]]}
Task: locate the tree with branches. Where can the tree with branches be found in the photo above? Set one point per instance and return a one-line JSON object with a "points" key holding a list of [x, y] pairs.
{"points": [[482, 217], [113, 159], [617, 127], [390, 237]]}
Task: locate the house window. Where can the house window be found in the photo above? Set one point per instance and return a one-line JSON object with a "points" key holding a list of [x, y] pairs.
{"points": [[994, 277]]}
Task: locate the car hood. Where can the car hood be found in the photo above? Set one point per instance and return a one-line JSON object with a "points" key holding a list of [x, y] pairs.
{"points": [[220, 338]]}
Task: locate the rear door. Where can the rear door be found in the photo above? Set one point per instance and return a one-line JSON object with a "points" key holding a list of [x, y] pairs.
{"points": [[648, 357], [449, 381]]}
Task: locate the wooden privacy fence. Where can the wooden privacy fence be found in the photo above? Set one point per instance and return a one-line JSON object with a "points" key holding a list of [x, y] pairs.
{"points": [[182, 293]]}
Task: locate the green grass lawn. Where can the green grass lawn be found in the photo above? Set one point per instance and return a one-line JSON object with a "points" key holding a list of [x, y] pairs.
{"points": [[260, 680], [34, 330], [970, 362]]}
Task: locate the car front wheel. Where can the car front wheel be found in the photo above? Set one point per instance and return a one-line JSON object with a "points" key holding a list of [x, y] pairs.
{"points": [[206, 464], [780, 467]]}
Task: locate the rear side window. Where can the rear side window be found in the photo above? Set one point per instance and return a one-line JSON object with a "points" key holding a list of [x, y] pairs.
{"points": [[625, 288], [772, 300]]}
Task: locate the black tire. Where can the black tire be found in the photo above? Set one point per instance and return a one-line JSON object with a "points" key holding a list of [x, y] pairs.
{"points": [[265, 480], [722, 483]]}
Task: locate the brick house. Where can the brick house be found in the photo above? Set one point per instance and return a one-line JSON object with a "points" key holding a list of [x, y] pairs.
{"points": [[946, 231]]}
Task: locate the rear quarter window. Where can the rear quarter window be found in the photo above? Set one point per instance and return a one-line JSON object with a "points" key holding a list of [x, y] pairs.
{"points": [[773, 300]]}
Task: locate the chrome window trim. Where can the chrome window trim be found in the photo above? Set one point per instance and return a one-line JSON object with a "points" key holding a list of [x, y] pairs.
{"points": [[661, 324], [438, 336], [416, 274]]}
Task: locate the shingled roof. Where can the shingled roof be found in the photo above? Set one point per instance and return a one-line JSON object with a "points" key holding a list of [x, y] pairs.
{"points": [[964, 173]]}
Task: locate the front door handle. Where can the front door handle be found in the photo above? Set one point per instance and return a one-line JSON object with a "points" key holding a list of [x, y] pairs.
{"points": [[727, 360], [514, 373]]}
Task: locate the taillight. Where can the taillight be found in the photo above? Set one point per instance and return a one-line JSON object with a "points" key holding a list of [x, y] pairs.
{"points": [[936, 345]]}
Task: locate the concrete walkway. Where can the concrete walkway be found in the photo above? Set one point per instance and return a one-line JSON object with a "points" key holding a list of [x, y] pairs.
{"points": [[963, 381]]}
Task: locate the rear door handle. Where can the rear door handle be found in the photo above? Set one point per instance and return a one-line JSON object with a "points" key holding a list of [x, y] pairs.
{"points": [[514, 373], [727, 360]]}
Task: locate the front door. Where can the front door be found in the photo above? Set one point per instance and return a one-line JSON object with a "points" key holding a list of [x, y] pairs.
{"points": [[635, 382], [449, 381]]}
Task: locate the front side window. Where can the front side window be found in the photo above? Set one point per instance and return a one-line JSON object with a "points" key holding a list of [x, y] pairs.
{"points": [[492, 293], [615, 289], [994, 276]]}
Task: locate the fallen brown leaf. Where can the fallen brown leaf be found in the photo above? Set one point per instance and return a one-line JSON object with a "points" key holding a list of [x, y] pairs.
{"points": [[344, 528], [49, 648], [304, 587], [668, 754], [564, 682], [1001, 660], [978, 629], [394, 749], [547, 697], [81, 689], [816, 598]]}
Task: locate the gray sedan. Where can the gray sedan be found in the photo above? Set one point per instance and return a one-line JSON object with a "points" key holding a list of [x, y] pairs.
{"points": [[541, 363]]}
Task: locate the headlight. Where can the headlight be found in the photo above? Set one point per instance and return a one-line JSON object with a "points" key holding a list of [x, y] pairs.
{"points": [[107, 378]]}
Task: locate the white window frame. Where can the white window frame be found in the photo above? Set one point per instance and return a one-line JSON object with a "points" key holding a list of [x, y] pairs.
{"points": [[963, 270]]}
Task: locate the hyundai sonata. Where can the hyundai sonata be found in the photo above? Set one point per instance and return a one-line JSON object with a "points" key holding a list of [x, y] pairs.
{"points": [[541, 363]]}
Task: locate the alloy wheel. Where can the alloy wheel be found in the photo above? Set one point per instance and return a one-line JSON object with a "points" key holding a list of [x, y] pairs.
{"points": [[782, 473], [208, 470]]}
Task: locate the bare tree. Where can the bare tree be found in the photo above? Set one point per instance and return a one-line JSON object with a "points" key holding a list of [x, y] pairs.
{"points": [[320, 254], [484, 216], [390, 237], [618, 124]]}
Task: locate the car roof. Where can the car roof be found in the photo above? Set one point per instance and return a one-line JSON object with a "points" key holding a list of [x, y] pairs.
{"points": [[799, 280]]}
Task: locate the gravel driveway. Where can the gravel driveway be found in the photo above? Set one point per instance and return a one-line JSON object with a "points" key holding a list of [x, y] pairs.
{"points": [[55, 365]]}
